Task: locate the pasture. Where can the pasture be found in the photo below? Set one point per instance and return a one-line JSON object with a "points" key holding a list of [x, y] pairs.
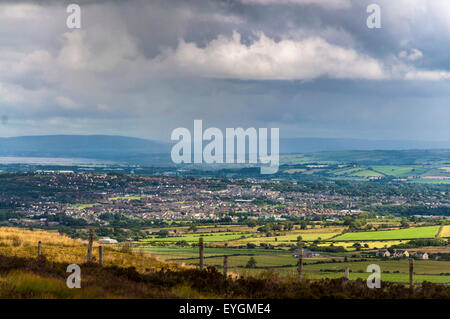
{"points": [[207, 237], [282, 263], [406, 233], [399, 171], [125, 197]]}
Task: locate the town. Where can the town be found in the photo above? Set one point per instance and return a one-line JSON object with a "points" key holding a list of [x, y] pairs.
{"points": [[89, 196]]}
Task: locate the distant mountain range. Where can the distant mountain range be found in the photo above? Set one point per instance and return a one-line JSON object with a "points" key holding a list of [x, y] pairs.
{"points": [[141, 151], [303, 145], [104, 147]]}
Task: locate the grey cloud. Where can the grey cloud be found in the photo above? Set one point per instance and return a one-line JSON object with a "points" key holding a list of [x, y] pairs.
{"points": [[115, 75]]}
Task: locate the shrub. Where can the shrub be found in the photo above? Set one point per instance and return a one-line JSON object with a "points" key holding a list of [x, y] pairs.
{"points": [[16, 242], [251, 263], [125, 248]]}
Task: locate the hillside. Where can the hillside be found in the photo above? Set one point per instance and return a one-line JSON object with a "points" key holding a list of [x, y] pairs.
{"points": [[128, 275], [143, 151], [101, 147], [59, 248]]}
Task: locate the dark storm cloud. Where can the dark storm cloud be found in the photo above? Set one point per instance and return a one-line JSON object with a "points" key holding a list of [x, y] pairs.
{"points": [[142, 68]]}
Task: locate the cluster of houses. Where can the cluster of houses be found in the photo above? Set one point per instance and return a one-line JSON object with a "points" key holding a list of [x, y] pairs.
{"points": [[306, 253], [380, 253], [401, 253]]}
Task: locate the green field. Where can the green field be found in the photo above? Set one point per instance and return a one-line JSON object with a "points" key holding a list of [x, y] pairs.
{"points": [[283, 263], [307, 235], [180, 253], [400, 171], [407, 233], [366, 173], [125, 197], [82, 206], [390, 277], [211, 237], [394, 271], [398, 278], [421, 166]]}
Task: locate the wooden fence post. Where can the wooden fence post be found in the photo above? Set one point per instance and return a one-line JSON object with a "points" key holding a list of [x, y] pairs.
{"points": [[91, 241], [100, 255], [39, 249], [200, 247], [225, 266], [347, 273], [411, 275], [300, 265]]}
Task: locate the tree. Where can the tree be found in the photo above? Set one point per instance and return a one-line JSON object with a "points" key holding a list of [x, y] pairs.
{"points": [[276, 227], [163, 233], [303, 225], [299, 238], [404, 223], [265, 229], [251, 263], [251, 223], [193, 228], [288, 225], [182, 243]]}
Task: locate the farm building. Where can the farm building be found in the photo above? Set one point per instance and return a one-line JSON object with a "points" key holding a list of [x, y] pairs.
{"points": [[306, 253], [107, 240], [383, 253], [401, 253], [421, 255]]}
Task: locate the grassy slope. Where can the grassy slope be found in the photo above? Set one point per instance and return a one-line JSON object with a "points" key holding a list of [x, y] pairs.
{"points": [[128, 275], [57, 248]]}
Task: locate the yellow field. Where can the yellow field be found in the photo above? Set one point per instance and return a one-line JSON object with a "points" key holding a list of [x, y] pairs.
{"points": [[371, 244], [23, 243], [295, 170], [446, 231], [290, 237], [307, 235]]}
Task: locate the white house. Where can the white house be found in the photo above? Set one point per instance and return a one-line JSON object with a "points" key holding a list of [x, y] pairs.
{"points": [[306, 253], [107, 240], [421, 255], [401, 253], [383, 253]]}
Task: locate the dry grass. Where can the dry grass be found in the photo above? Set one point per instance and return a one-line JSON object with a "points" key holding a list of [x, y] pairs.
{"points": [[19, 284], [58, 248]]}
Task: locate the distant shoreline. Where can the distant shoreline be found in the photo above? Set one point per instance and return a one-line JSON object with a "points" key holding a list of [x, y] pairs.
{"points": [[50, 160]]}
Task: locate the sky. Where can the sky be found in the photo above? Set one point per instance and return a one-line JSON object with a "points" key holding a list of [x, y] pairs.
{"points": [[311, 68]]}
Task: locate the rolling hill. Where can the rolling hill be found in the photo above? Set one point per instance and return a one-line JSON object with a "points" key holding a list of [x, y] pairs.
{"points": [[142, 151]]}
